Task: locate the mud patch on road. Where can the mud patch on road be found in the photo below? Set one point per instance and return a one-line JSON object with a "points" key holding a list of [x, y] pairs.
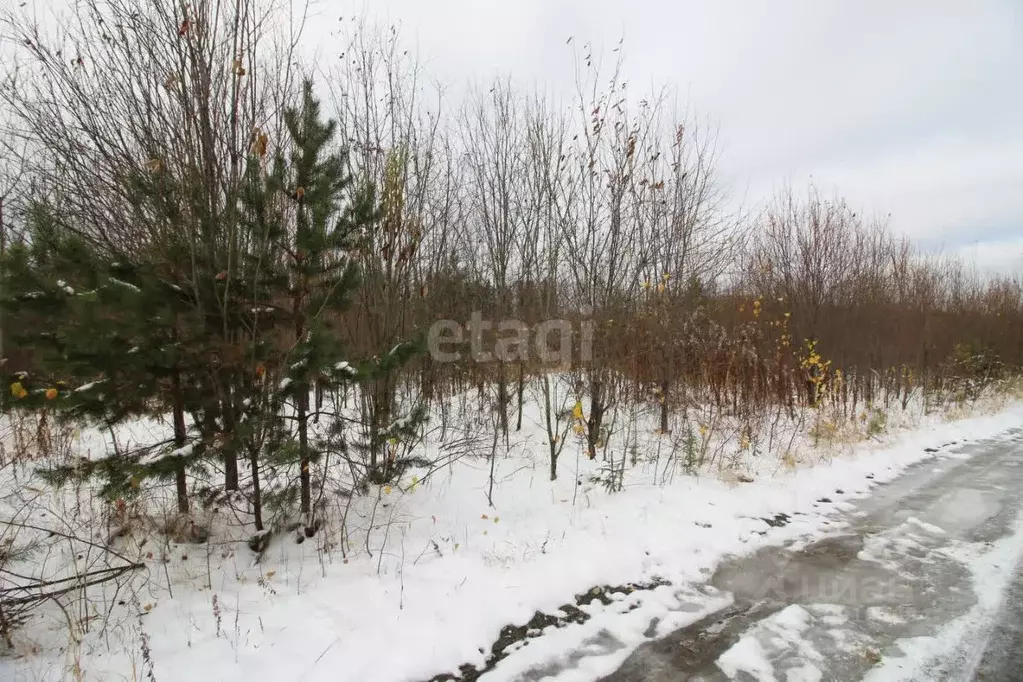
{"points": [[846, 584], [513, 637]]}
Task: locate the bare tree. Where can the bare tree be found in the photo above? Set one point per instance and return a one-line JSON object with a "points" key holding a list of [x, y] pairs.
{"points": [[601, 237], [494, 153], [13, 179], [393, 119]]}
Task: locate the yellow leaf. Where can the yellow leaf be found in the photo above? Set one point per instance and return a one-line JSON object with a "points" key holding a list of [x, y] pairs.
{"points": [[387, 490], [259, 143], [147, 608], [51, 393], [270, 574], [577, 411]]}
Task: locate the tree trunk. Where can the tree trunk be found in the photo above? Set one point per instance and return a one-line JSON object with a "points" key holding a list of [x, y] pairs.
{"points": [[302, 416], [596, 417], [257, 492], [522, 388], [664, 406], [319, 402], [227, 414], [180, 437], [502, 400], [230, 456], [552, 433], [380, 420]]}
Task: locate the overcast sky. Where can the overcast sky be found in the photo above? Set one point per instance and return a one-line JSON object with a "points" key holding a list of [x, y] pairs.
{"points": [[908, 107]]}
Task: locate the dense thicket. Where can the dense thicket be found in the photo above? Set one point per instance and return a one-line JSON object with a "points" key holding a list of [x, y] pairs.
{"points": [[201, 237]]}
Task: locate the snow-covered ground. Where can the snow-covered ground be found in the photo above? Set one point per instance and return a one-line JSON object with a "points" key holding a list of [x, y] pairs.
{"points": [[424, 574]]}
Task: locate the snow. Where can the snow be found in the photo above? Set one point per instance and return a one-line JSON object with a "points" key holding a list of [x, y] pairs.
{"points": [[884, 615], [396, 425], [927, 527], [345, 367], [957, 647], [597, 647], [285, 382], [184, 451], [122, 283], [89, 386], [776, 636], [747, 656], [432, 572]]}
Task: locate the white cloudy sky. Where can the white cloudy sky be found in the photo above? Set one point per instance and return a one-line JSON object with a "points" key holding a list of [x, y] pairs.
{"points": [[909, 107]]}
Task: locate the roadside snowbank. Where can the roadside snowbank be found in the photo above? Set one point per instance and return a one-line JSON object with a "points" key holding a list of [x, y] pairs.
{"points": [[435, 573]]}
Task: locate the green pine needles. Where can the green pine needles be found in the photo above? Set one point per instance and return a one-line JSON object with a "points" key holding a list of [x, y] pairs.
{"points": [[229, 330]]}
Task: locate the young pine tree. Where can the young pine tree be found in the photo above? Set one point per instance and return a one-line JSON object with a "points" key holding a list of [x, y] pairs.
{"points": [[306, 217], [109, 346]]}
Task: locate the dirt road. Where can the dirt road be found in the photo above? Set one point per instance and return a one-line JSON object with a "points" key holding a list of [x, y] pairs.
{"points": [[921, 582]]}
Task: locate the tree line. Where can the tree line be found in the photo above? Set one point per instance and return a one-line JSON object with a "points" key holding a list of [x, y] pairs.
{"points": [[202, 230]]}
